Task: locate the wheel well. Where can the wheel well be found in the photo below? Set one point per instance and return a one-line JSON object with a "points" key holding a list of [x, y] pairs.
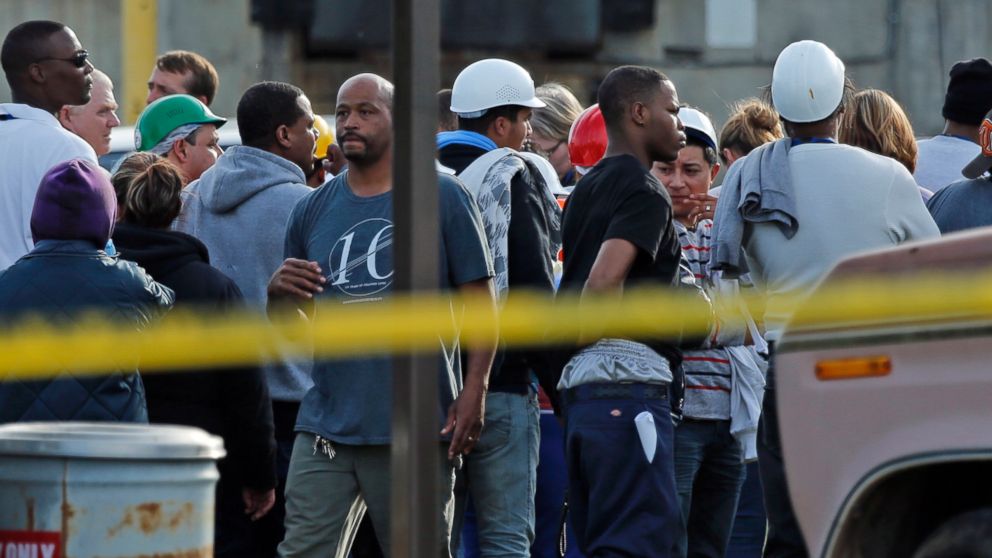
{"points": [[895, 514]]}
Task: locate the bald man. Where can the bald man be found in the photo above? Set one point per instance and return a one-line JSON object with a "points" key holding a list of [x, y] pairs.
{"points": [[94, 120], [46, 69], [338, 250]]}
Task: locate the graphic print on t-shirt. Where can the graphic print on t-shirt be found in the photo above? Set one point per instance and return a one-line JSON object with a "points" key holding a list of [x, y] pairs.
{"points": [[361, 260]]}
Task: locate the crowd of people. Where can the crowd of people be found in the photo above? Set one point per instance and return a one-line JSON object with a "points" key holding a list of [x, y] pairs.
{"points": [[664, 446]]}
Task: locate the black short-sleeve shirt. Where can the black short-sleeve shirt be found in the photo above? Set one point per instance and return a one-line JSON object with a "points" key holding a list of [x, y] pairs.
{"points": [[619, 198]]}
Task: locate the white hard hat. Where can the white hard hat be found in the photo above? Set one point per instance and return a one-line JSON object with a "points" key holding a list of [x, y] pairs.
{"points": [[492, 83], [698, 124], [807, 82]]}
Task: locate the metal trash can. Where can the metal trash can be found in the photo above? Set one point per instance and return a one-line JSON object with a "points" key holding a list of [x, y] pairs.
{"points": [[83, 490]]}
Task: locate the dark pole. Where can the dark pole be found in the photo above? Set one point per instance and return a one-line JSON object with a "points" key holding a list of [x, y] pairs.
{"points": [[415, 450]]}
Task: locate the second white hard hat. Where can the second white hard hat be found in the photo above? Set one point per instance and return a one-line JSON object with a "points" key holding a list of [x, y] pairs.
{"points": [[807, 82], [698, 124], [492, 83]]}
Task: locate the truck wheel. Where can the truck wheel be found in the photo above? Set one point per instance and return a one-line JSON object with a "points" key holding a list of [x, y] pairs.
{"points": [[968, 535]]}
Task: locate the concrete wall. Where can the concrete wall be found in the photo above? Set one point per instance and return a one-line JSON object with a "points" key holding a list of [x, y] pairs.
{"points": [[903, 46]]}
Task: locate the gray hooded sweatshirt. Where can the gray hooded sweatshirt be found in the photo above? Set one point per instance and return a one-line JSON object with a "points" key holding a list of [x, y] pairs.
{"points": [[239, 208]]}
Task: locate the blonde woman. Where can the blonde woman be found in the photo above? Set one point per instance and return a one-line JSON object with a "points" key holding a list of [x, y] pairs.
{"points": [[550, 126], [874, 121], [752, 122]]}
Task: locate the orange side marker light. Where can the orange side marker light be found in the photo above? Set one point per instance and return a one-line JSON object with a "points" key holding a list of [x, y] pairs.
{"points": [[852, 368]]}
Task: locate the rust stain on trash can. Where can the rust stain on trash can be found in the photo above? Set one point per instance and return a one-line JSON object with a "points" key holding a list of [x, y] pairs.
{"points": [[149, 517], [128, 521], [66, 508], [183, 516], [30, 514]]}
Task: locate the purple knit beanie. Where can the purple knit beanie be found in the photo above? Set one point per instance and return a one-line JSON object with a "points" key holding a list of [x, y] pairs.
{"points": [[75, 201]]}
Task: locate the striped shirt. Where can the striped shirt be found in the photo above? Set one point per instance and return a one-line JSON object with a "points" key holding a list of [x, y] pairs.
{"points": [[707, 371]]}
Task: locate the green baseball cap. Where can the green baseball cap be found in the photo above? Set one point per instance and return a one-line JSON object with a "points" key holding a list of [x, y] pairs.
{"points": [[164, 115]]}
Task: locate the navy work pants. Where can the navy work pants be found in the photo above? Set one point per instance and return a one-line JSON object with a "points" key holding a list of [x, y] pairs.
{"points": [[620, 503]]}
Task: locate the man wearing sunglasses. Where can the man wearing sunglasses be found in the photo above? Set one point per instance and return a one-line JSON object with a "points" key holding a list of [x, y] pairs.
{"points": [[46, 69]]}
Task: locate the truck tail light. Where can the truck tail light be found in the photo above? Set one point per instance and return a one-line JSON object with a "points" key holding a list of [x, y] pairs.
{"points": [[851, 368]]}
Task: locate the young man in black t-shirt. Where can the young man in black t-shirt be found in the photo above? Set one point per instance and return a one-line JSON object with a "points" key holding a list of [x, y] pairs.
{"points": [[618, 232]]}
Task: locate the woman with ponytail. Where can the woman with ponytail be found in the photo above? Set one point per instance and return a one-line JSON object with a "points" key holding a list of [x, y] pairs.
{"points": [[233, 404]]}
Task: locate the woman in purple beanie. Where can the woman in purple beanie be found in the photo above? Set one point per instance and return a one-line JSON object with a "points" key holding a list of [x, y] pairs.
{"points": [[66, 274]]}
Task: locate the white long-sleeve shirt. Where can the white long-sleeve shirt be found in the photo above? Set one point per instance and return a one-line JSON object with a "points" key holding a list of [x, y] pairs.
{"points": [[848, 200], [31, 142]]}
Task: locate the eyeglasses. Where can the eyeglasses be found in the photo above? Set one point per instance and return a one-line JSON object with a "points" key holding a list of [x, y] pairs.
{"points": [[78, 60], [536, 149]]}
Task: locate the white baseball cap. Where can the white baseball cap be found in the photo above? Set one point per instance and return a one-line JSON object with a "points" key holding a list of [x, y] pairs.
{"points": [[807, 82], [698, 125], [490, 83]]}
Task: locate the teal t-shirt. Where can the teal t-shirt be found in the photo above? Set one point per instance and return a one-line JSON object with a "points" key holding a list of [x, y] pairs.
{"points": [[351, 237]]}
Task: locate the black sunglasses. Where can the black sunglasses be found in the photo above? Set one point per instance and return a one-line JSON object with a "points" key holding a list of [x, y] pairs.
{"points": [[78, 60]]}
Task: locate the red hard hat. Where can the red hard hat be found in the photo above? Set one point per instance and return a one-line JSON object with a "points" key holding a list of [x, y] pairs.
{"points": [[587, 138]]}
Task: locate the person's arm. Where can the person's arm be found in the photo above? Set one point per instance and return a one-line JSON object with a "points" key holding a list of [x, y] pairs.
{"points": [[609, 271], [466, 414], [606, 278], [470, 269], [530, 263], [297, 280]]}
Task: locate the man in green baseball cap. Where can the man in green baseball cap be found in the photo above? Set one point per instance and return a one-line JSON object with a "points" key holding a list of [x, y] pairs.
{"points": [[183, 130]]}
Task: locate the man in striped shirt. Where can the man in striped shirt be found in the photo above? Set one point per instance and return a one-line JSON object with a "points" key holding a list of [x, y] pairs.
{"points": [[709, 459]]}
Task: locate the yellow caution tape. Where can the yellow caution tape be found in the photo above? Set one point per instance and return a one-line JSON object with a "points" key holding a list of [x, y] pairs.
{"points": [[402, 324]]}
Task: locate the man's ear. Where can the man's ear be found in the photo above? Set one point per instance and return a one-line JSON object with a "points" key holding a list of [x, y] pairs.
{"points": [[282, 136], [181, 149], [715, 170], [65, 118], [499, 126], [36, 73], [639, 113], [202, 99]]}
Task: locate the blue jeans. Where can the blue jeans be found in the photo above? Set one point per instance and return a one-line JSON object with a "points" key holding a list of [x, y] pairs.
{"points": [[747, 539], [501, 478], [552, 479], [785, 539], [620, 503], [708, 474]]}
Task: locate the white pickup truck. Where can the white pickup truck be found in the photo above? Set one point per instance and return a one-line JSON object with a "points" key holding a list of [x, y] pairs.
{"points": [[887, 427]]}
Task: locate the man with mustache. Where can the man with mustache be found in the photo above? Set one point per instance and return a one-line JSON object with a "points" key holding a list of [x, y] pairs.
{"points": [[46, 68], [339, 251], [239, 209]]}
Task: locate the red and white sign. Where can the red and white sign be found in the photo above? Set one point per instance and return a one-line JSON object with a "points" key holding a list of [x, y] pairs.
{"points": [[30, 544]]}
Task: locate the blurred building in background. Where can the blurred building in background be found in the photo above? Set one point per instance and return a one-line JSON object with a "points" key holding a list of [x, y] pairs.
{"points": [[716, 51]]}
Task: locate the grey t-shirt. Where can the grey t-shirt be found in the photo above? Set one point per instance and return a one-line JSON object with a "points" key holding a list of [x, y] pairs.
{"points": [[940, 160], [351, 237], [963, 205]]}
